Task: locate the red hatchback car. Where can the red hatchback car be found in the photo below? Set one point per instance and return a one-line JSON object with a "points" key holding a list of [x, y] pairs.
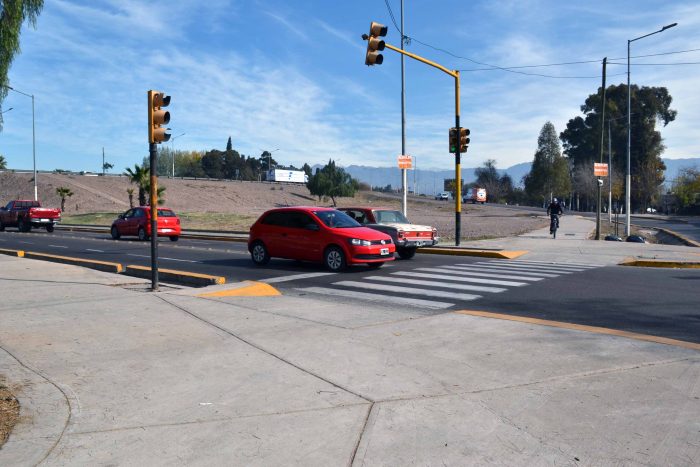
{"points": [[137, 221], [322, 235]]}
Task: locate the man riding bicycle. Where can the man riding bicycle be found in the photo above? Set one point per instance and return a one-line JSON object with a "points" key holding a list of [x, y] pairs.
{"points": [[554, 210]]}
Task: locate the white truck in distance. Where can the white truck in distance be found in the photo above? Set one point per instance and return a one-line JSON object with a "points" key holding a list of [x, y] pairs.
{"points": [[292, 176]]}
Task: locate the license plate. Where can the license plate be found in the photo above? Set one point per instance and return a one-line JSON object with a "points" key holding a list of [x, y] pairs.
{"points": [[166, 230], [384, 251], [419, 243], [44, 220]]}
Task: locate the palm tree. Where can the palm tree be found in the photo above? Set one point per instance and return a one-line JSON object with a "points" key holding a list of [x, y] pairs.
{"points": [[160, 193], [140, 176], [3, 164], [64, 193], [130, 192]]}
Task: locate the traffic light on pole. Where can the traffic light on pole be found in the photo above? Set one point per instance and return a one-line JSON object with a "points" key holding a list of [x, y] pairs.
{"points": [[158, 117], [454, 140], [464, 139], [375, 44]]}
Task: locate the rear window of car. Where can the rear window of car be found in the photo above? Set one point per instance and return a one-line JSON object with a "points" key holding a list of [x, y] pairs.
{"points": [[166, 213], [390, 217], [336, 219]]}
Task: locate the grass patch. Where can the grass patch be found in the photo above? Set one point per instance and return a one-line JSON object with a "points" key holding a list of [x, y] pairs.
{"points": [[93, 218], [189, 220]]}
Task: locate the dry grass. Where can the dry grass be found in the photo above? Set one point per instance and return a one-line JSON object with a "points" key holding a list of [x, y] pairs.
{"points": [[9, 413]]}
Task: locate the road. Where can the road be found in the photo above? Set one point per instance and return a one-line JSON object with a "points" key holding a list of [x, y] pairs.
{"points": [[689, 227], [660, 302]]}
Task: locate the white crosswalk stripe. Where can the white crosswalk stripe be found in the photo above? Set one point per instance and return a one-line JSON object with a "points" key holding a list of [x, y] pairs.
{"points": [[460, 271], [374, 297], [441, 284], [419, 286], [408, 290], [524, 272]]}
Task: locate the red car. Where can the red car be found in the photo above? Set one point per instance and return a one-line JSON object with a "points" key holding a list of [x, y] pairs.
{"points": [[137, 221], [322, 235]]}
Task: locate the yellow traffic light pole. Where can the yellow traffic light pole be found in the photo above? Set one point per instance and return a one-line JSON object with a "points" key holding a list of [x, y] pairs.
{"points": [[458, 155]]}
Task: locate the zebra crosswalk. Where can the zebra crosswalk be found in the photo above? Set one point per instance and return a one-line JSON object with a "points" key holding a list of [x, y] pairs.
{"points": [[443, 286]]}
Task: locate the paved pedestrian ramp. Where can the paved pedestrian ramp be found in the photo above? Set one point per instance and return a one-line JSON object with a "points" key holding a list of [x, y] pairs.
{"points": [[442, 287]]}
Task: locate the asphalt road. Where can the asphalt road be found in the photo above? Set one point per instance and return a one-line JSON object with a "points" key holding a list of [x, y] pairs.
{"points": [[689, 227], [660, 302]]}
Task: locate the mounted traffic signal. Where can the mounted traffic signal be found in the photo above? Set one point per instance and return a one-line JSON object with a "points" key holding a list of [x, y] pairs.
{"points": [[375, 44], [464, 139], [454, 140], [158, 117]]}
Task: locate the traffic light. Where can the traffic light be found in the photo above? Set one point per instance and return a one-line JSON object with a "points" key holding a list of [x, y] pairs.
{"points": [[464, 139], [453, 140], [157, 117], [375, 44]]}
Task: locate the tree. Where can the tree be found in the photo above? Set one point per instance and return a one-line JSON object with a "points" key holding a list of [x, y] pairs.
{"points": [[213, 164], [229, 145], [13, 14], [333, 182], [107, 166], [487, 177], [687, 188], [160, 193], [3, 163], [650, 105], [139, 176], [63, 193], [549, 174], [130, 192]]}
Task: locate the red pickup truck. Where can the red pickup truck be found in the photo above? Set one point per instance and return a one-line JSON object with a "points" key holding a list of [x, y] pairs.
{"points": [[25, 214]]}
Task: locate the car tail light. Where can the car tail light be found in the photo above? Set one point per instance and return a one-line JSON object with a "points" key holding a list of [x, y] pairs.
{"points": [[401, 233], [177, 220]]}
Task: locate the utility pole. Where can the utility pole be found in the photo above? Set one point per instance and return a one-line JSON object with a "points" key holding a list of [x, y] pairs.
{"points": [[404, 182], [602, 140], [103, 160]]}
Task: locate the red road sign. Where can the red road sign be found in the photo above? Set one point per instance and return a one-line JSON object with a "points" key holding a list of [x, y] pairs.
{"points": [[600, 170]]}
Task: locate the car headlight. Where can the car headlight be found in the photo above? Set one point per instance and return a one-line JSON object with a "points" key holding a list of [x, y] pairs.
{"points": [[358, 242]]}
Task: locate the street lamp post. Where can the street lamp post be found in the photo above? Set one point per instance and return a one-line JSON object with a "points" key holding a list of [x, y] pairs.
{"points": [[628, 182], [172, 150], [36, 196], [5, 111]]}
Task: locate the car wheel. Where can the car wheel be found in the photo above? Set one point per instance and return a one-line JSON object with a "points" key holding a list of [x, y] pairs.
{"points": [[174, 238], [142, 234], [23, 226], [49, 228], [259, 254], [406, 253], [334, 259], [115, 232]]}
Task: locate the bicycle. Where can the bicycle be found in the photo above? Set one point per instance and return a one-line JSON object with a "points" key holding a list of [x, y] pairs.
{"points": [[554, 225]]}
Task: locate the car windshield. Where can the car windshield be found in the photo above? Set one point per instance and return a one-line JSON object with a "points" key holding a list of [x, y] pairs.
{"points": [[390, 217], [336, 219]]}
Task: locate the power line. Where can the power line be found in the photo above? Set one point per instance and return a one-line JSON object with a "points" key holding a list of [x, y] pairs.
{"points": [[655, 64], [391, 14]]}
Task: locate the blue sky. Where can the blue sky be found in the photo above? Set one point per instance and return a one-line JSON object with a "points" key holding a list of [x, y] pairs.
{"points": [[291, 75]]}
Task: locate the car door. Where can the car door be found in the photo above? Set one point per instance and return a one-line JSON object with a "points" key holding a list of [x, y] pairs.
{"points": [[303, 237], [272, 232], [122, 222]]}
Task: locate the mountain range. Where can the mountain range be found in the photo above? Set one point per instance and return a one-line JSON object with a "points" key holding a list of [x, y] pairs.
{"points": [[429, 181]]}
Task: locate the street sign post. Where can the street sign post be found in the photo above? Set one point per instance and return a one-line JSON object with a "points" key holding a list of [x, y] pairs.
{"points": [[600, 169]]}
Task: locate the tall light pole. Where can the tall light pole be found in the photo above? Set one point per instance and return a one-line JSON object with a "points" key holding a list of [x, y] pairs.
{"points": [[404, 182], [5, 111], [172, 150], [36, 196], [628, 182]]}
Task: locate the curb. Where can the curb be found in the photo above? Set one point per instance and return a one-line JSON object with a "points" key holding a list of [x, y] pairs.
{"points": [[660, 263], [683, 239], [179, 277], [17, 253], [500, 254], [86, 263]]}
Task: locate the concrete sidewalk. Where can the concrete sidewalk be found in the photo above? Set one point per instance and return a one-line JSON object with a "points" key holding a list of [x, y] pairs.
{"points": [[108, 373]]}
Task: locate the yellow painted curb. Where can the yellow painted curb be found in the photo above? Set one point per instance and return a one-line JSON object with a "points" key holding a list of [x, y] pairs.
{"points": [[682, 238], [500, 254], [660, 263], [86, 263], [178, 277], [582, 327], [255, 289], [17, 253]]}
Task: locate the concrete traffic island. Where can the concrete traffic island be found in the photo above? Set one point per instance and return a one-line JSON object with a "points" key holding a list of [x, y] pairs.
{"points": [[108, 373]]}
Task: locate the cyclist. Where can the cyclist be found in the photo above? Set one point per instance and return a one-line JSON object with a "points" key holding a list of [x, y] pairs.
{"points": [[554, 210]]}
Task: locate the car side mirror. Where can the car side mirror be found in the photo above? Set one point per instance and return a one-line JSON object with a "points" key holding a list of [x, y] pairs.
{"points": [[122, 216], [312, 226]]}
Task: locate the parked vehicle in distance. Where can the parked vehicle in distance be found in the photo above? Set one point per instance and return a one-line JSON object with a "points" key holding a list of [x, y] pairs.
{"points": [[636, 239], [443, 195], [292, 176], [407, 237], [25, 214], [475, 195], [137, 221], [321, 235], [651, 210]]}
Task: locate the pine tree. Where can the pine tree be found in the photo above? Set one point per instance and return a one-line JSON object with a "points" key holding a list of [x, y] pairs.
{"points": [[549, 175]]}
